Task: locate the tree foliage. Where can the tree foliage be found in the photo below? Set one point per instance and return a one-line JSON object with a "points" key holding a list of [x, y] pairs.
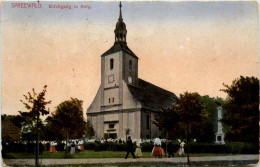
{"points": [[89, 130], [167, 120], [242, 109], [68, 117], [208, 128], [190, 110], [51, 132], [35, 104], [191, 113]]}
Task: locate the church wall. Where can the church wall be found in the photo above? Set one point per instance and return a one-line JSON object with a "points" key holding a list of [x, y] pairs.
{"points": [[95, 105], [97, 122], [127, 72], [131, 120], [131, 124], [110, 108], [125, 124], [94, 123], [100, 126], [111, 117], [115, 71], [116, 129], [137, 122], [128, 100], [151, 131], [111, 96], [145, 132], [121, 129]]}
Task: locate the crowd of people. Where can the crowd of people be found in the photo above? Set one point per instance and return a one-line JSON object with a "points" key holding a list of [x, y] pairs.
{"points": [[75, 146]]}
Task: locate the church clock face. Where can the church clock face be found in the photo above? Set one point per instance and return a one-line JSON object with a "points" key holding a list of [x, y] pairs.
{"points": [[130, 79], [110, 78]]}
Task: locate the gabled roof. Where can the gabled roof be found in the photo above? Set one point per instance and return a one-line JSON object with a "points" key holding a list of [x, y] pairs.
{"points": [[152, 97], [7, 121], [118, 47]]}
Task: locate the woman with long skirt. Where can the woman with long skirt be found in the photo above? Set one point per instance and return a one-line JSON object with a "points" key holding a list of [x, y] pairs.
{"points": [[158, 151], [138, 151]]}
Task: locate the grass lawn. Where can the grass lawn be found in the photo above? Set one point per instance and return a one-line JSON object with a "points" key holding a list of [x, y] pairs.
{"points": [[87, 154]]}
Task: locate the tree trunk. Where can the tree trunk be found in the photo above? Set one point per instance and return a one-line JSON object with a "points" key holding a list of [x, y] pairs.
{"points": [[188, 146], [37, 142], [67, 138], [166, 143]]}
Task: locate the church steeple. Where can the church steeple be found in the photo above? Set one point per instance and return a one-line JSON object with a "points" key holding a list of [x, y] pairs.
{"points": [[120, 31], [120, 14]]}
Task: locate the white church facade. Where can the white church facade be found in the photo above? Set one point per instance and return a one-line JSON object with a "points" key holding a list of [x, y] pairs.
{"points": [[123, 100]]}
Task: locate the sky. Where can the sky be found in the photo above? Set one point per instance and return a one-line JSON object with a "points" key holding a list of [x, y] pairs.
{"points": [[182, 46]]}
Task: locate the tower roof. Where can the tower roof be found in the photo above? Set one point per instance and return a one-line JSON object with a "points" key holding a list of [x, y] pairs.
{"points": [[120, 37], [118, 47]]}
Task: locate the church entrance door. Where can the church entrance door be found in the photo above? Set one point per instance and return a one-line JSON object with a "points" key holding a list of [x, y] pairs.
{"points": [[112, 135]]}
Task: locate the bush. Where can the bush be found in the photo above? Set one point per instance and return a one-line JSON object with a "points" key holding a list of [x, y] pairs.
{"points": [[229, 148], [147, 147], [89, 146]]}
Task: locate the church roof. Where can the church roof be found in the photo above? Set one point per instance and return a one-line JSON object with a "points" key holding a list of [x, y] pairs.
{"points": [[118, 47], [152, 97]]}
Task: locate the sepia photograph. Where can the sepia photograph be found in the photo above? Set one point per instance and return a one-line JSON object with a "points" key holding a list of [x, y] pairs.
{"points": [[129, 83]]}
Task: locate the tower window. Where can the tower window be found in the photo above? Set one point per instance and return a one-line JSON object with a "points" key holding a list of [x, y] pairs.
{"points": [[111, 126], [130, 64], [147, 122], [111, 64], [109, 100], [113, 99]]}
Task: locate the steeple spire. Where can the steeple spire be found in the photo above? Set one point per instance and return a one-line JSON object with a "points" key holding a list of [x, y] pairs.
{"points": [[120, 31], [120, 14]]}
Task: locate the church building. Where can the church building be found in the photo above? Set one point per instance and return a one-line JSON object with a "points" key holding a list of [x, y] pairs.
{"points": [[125, 102]]}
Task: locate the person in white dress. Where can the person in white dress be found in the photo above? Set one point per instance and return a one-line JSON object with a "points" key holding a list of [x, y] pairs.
{"points": [[72, 148], [158, 151], [181, 149]]}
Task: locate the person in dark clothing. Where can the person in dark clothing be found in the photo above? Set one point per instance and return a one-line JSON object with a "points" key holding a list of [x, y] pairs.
{"points": [[40, 148], [129, 148], [170, 150]]}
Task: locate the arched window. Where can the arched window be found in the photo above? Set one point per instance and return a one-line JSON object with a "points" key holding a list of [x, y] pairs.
{"points": [[111, 64], [147, 122], [130, 64]]}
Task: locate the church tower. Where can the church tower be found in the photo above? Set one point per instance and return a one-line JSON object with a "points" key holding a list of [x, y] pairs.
{"points": [[119, 64], [124, 102]]}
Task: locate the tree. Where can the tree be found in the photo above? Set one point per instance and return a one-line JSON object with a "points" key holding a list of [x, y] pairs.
{"points": [[89, 130], [68, 117], [167, 120], [191, 113], [209, 127], [242, 109], [29, 130], [36, 105], [50, 132]]}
